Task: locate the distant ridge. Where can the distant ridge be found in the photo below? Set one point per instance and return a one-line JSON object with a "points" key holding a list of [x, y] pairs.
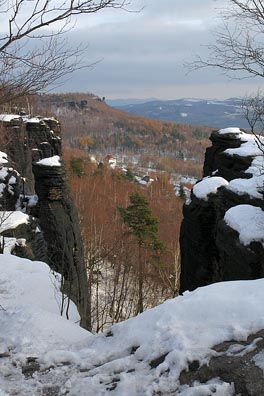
{"points": [[194, 111], [125, 102]]}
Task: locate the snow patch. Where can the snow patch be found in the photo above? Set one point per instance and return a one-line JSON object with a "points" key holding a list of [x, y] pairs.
{"points": [[3, 158], [259, 360], [208, 186], [225, 131], [254, 186], [214, 387], [33, 120], [9, 117], [50, 161], [10, 220], [12, 180], [249, 147], [248, 221], [3, 173]]}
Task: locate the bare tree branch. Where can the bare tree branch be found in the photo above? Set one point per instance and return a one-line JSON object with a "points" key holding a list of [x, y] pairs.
{"points": [[33, 52], [253, 111], [239, 47]]}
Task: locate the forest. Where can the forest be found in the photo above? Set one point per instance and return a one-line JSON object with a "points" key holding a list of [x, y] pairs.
{"points": [[89, 124], [111, 251]]}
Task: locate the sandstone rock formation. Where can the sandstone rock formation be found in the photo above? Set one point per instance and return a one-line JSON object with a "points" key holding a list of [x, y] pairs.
{"points": [[212, 248], [40, 189], [59, 222]]}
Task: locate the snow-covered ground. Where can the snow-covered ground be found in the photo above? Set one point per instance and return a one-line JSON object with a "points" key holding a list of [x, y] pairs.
{"points": [[41, 352]]}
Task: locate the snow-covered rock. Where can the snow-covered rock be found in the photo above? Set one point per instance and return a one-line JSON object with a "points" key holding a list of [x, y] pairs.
{"points": [[248, 221], [221, 234], [208, 186], [52, 235]]}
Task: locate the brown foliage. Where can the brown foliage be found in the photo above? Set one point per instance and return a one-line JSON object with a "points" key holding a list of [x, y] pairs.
{"points": [[98, 194], [97, 127]]}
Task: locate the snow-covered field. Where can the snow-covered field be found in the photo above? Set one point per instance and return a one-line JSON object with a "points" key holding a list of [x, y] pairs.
{"points": [[41, 353]]}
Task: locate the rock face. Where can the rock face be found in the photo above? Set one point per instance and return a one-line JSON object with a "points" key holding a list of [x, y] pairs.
{"points": [[30, 141], [52, 233], [59, 222], [212, 248]]}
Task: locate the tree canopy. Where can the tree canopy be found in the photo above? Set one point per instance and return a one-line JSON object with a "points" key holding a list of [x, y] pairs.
{"points": [[142, 226]]}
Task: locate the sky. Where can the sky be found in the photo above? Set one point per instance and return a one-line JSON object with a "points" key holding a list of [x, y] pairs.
{"points": [[143, 54]]}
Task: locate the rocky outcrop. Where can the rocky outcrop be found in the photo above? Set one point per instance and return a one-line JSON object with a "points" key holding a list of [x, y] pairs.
{"points": [[234, 362], [59, 222], [213, 249], [10, 187], [218, 162], [40, 189], [30, 140]]}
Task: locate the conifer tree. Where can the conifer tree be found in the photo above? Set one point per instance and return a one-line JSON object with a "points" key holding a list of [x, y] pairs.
{"points": [[144, 229], [182, 194]]}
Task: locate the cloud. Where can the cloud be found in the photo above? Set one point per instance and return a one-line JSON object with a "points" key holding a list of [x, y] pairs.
{"points": [[144, 53]]}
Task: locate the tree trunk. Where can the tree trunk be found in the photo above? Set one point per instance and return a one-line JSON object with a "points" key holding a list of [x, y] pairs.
{"points": [[140, 280]]}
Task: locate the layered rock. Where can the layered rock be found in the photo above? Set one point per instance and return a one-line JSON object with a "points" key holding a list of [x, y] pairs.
{"points": [[212, 248], [10, 186], [30, 139], [217, 161], [51, 233], [59, 222]]}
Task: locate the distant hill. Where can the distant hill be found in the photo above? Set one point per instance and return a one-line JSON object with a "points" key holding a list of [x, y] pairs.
{"points": [[90, 124], [126, 102], [216, 113]]}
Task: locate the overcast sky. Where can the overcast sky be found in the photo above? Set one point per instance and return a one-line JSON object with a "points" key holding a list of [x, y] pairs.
{"points": [[142, 54]]}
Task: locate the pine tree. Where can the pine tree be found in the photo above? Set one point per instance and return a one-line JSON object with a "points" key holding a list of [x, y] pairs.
{"points": [[182, 194], [144, 229]]}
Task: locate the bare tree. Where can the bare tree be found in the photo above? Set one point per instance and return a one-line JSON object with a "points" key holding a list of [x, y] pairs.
{"points": [[239, 52], [239, 48], [33, 49], [253, 111], [4, 216]]}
